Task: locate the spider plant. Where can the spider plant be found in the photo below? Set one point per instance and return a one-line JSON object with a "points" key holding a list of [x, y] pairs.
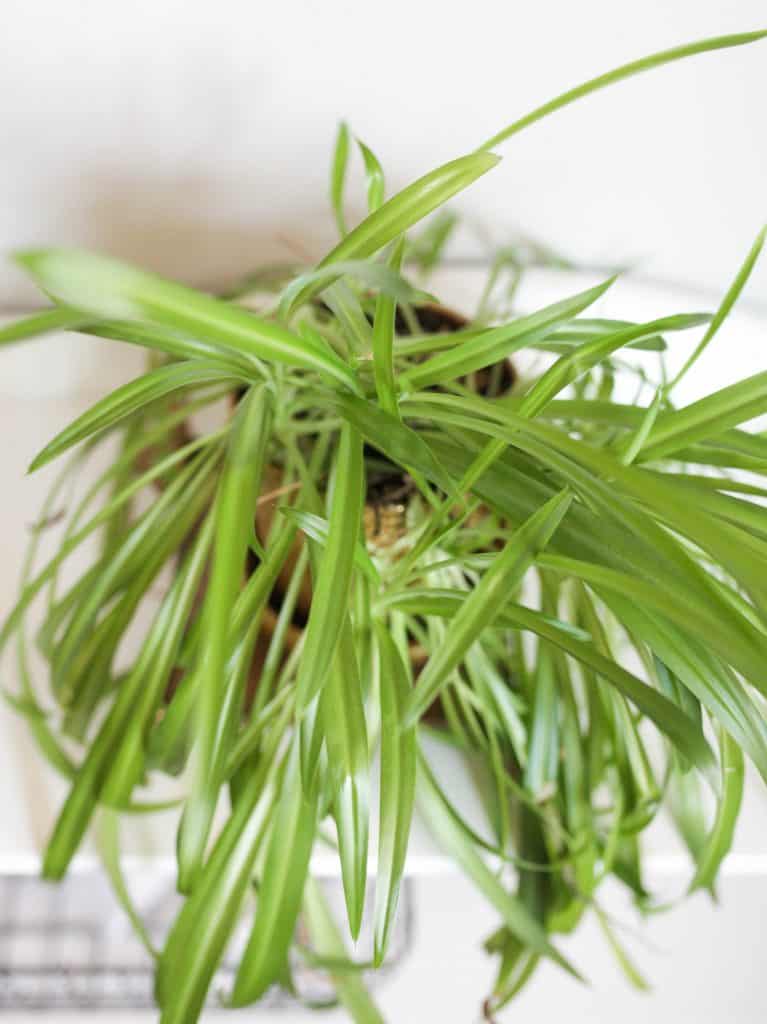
{"points": [[389, 542]]}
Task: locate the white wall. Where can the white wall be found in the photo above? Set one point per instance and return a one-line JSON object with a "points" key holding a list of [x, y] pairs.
{"points": [[196, 136]]}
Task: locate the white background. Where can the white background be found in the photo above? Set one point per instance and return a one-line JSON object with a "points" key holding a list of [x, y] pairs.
{"points": [[196, 138]]}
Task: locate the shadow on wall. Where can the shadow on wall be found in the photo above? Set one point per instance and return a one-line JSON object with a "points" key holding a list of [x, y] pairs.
{"points": [[190, 227]]}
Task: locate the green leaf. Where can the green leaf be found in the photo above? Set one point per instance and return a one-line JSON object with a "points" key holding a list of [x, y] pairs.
{"points": [[679, 727], [515, 915], [338, 175], [281, 887], [169, 736], [675, 724], [384, 278], [483, 348], [374, 175], [149, 682], [58, 319], [111, 290], [331, 591], [317, 528], [32, 588], [586, 329], [729, 300], [396, 788], [738, 551], [719, 841], [383, 339], [694, 616], [180, 346], [343, 717], [217, 709], [630, 446], [83, 796], [350, 317], [130, 398], [396, 440], [631, 972], [427, 248], [618, 74], [108, 845], [544, 743], [404, 209], [586, 356], [707, 417], [199, 935], [715, 685], [486, 601], [329, 944]]}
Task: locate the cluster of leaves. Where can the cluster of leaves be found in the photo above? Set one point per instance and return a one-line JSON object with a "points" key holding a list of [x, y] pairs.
{"points": [[575, 601]]}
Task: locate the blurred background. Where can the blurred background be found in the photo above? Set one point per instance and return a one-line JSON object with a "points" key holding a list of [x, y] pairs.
{"points": [[196, 138]]}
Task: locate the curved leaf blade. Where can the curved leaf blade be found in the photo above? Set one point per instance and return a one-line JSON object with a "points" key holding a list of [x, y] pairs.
{"points": [[216, 708], [404, 209], [109, 289], [396, 789], [486, 601], [281, 887], [618, 74], [331, 592], [130, 398], [489, 346]]}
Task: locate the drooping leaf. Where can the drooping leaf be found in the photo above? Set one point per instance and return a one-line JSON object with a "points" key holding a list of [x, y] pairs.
{"points": [[281, 887], [486, 601], [515, 915], [396, 788], [111, 290], [331, 591], [217, 709], [330, 946], [128, 399], [719, 840], [483, 348], [343, 716], [383, 340]]}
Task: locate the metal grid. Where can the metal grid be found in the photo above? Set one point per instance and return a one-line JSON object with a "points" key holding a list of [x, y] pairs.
{"points": [[70, 946]]}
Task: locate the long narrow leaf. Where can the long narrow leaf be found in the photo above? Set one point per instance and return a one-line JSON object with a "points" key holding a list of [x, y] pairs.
{"points": [[281, 887], [396, 789], [343, 715], [729, 300], [128, 399], [338, 176], [486, 347], [486, 601], [515, 915], [331, 591], [618, 74], [235, 510], [403, 210], [112, 290], [383, 340], [719, 841]]}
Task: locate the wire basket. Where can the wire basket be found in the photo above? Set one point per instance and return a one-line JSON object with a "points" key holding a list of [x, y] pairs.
{"points": [[70, 946]]}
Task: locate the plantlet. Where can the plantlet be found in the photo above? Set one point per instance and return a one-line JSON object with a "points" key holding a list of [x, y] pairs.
{"points": [[389, 542]]}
